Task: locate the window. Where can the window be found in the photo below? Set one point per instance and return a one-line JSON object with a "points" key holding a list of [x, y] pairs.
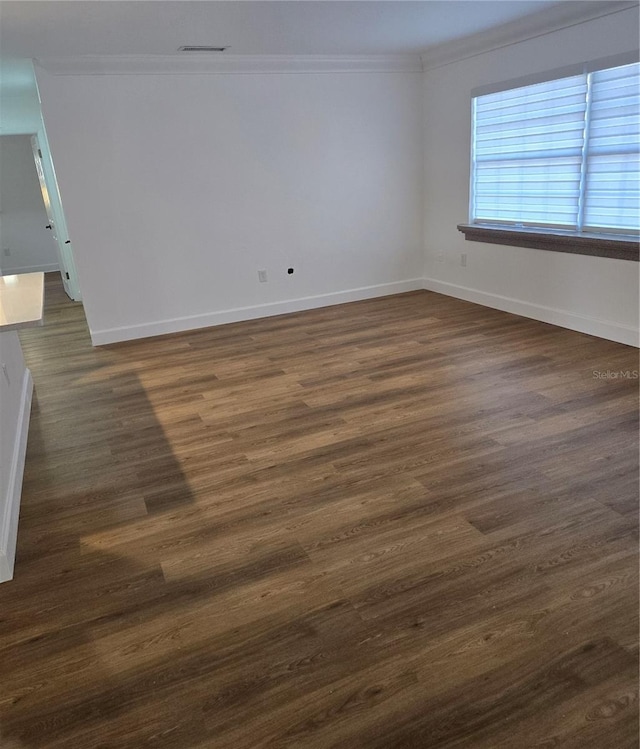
{"points": [[560, 157], [611, 195]]}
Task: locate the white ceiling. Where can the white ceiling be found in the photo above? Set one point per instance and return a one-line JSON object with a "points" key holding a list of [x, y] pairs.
{"points": [[64, 28]]}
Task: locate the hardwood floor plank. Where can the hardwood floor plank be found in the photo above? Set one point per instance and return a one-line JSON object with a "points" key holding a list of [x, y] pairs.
{"points": [[405, 522]]}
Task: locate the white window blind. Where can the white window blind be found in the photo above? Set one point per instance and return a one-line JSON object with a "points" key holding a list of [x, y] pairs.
{"points": [[563, 153], [612, 186]]}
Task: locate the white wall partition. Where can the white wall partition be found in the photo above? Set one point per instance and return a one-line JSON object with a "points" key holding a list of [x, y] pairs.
{"points": [[591, 294], [16, 387], [179, 188]]}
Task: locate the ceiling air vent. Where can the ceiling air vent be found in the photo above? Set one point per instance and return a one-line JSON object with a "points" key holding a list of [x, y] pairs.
{"points": [[195, 48]]}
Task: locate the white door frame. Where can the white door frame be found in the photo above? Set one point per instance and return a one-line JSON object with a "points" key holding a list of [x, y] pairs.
{"points": [[53, 205]]}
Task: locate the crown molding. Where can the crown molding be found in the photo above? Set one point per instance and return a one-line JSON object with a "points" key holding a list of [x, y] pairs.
{"points": [[561, 16], [228, 64]]}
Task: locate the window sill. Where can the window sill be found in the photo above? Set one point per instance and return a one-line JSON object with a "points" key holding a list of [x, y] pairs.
{"points": [[620, 247]]}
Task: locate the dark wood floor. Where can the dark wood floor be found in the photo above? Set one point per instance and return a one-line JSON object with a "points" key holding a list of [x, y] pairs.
{"points": [[405, 522]]}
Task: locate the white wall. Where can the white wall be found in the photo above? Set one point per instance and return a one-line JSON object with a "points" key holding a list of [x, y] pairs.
{"points": [[15, 402], [591, 294], [23, 217], [179, 188]]}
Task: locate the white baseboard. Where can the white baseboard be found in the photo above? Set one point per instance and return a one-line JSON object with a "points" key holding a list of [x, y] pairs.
{"points": [[223, 317], [582, 324], [9, 527], [43, 268]]}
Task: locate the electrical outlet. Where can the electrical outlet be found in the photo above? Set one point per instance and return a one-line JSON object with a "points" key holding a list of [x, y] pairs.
{"points": [[7, 251], [440, 257], [262, 276], [463, 260]]}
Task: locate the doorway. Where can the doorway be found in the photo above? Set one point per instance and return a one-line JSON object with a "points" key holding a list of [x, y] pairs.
{"points": [[33, 234], [56, 222]]}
